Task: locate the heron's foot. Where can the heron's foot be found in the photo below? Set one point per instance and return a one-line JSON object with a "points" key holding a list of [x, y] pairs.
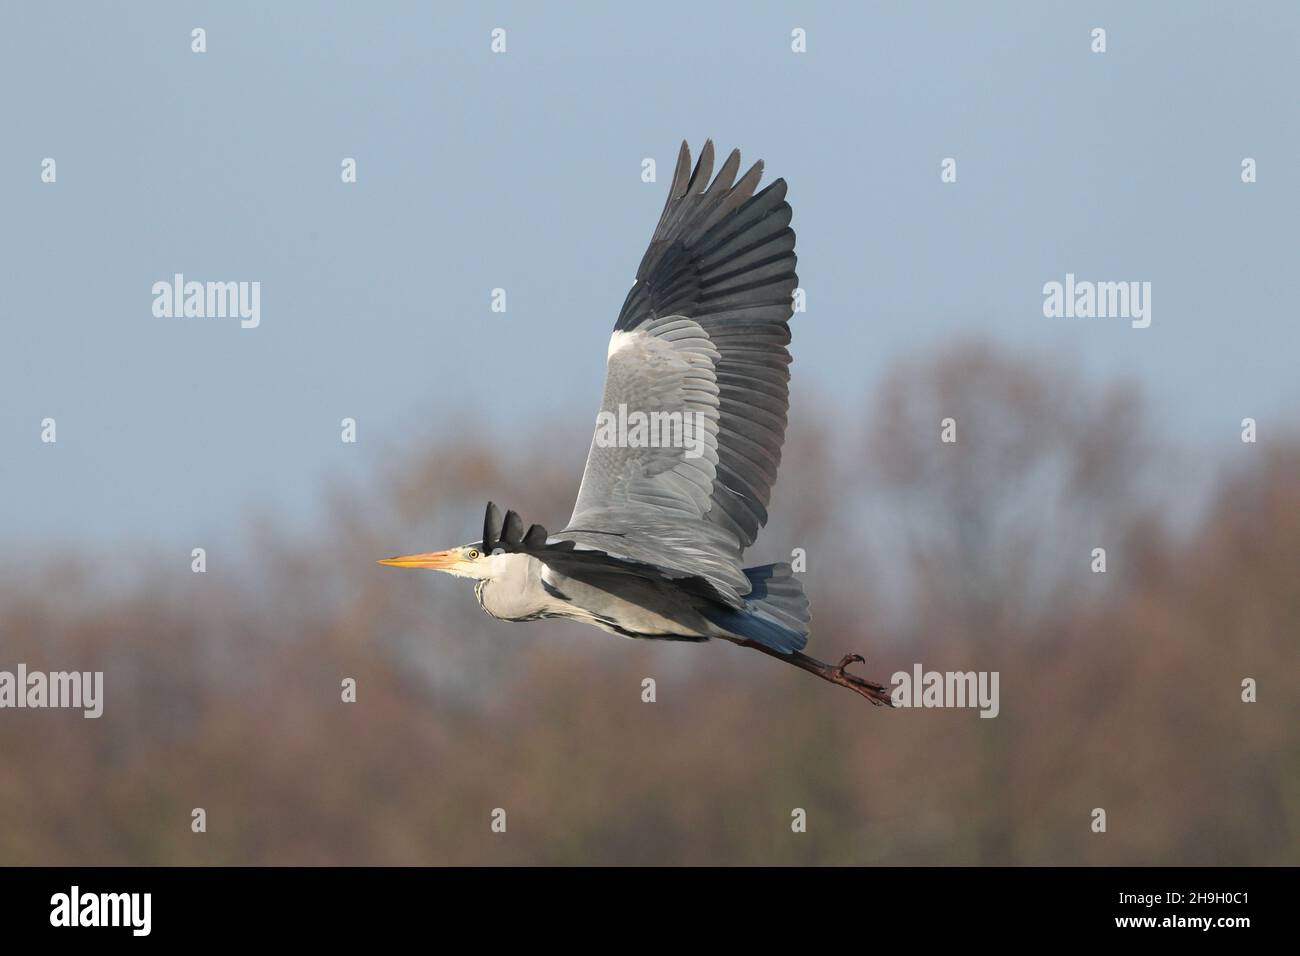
{"points": [[846, 660], [876, 693]]}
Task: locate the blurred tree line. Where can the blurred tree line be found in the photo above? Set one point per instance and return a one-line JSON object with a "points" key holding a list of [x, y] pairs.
{"points": [[1119, 690]]}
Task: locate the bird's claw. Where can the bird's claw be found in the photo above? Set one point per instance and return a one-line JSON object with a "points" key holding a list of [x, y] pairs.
{"points": [[846, 660], [874, 692]]}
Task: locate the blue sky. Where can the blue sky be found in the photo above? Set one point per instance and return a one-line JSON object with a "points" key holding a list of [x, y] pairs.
{"points": [[522, 171]]}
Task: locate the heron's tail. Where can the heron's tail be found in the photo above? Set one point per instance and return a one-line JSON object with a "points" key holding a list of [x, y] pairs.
{"points": [[776, 611]]}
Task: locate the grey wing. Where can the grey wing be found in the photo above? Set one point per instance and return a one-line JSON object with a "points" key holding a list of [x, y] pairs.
{"points": [[724, 257], [703, 332]]}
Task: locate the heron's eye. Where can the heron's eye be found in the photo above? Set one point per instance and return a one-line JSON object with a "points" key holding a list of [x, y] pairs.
{"points": [[472, 553]]}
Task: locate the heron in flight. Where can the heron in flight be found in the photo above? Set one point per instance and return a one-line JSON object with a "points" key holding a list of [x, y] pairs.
{"points": [[654, 546]]}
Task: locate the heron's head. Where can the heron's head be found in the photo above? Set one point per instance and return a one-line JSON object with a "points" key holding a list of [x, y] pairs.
{"points": [[467, 561]]}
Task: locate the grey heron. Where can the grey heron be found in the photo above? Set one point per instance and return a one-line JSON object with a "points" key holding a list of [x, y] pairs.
{"points": [[654, 546]]}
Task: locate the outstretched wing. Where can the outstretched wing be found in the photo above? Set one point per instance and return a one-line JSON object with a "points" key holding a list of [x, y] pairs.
{"points": [[703, 335]]}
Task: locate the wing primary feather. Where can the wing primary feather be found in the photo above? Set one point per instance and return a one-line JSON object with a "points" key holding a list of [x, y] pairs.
{"points": [[513, 531], [491, 527]]}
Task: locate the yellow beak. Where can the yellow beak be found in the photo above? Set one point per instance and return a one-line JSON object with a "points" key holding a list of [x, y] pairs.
{"points": [[437, 560]]}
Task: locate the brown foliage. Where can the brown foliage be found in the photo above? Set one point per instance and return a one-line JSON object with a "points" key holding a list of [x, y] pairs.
{"points": [[223, 690]]}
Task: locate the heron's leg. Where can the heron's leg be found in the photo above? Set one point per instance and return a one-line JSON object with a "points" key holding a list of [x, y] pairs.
{"points": [[836, 674]]}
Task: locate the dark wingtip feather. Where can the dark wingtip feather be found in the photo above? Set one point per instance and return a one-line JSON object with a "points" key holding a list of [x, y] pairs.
{"points": [[513, 531], [703, 169], [491, 526], [680, 174], [726, 175]]}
